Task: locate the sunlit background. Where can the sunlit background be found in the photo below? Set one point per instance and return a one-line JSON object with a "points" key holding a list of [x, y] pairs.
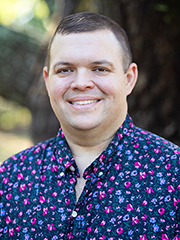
{"points": [[27, 17], [153, 28]]}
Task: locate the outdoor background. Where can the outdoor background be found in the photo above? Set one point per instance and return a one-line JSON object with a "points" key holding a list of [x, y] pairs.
{"points": [[153, 27]]}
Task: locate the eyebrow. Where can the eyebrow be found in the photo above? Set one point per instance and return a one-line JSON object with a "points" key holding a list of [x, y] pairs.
{"points": [[100, 62], [61, 63]]}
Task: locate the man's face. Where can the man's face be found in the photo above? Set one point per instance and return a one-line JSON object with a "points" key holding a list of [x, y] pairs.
{"points": [[86, 82]]}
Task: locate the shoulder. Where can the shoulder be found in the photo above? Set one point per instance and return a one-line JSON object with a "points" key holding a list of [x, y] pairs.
{"points": [[26, 158], [155, 148]]}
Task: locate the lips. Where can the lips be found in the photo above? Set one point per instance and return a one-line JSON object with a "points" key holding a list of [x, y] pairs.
{"points": [[83, 102]]}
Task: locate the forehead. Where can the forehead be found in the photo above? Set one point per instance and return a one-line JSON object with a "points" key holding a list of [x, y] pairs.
{"points": [[99, 38], [101, 41]]}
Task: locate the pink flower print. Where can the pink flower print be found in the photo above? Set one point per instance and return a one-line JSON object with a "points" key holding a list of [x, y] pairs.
{"points": [[119, 230], [161, 211], [118, 166], [99, 184], [26, 201], [30, 184], [127, 184], [110, 190], [102, 238], [42, 199], [102, 194], [22, 187], [176, 238], [8, 196], [112, 178], [33, 220], [54, 194], [164, 237], [20, 176], [108, 209], [144, 217], [37, 150], [136, 145], [33, 172], [45, 211], [2, 169], [176, 201], [142, 175], [143, 237], [89, 206], [103, 223], [67, 201], [43, 177], [89, 229], [144, 203], [168, 166], [151, 172], [53, 207], [18, 228], [171, 188], [11, 232], [39, 161], [72, 180], [8, 219], [120, 136], [149, 190], [20, 214], [137, 164], [59, 183], [1, 192], [129, 207], [178, 187], [157, 150], [54, 168], [5, 180], [51, 227], [135, 220]]}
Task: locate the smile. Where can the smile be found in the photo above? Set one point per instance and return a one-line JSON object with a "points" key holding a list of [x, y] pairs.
{"points": [[84, 102]]}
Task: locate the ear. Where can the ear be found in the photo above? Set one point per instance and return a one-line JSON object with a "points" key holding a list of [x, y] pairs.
{"points": [[131, 77], [46, 76]]}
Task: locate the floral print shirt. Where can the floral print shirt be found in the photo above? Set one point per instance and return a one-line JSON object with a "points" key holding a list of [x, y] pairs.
{"points": [[132, 191]]}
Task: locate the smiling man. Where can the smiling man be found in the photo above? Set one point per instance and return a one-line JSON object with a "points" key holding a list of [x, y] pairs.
{"points": [[100, 177]]}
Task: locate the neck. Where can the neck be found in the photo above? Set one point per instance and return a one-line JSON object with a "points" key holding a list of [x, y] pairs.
{"points": [[84, 154], [87, 145]]}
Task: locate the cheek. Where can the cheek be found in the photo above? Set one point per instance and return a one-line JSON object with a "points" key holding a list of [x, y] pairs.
{"points": [[57, 89], [111, 88]]}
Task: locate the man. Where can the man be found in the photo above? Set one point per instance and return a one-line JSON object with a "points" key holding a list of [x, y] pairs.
{"points": [[100, 177]]}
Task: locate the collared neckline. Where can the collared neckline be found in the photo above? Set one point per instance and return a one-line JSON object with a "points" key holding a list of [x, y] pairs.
{"points": [[101, 164]]}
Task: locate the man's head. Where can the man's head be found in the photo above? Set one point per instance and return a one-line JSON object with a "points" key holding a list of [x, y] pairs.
{"points": [[90, 76], [90, 22]]}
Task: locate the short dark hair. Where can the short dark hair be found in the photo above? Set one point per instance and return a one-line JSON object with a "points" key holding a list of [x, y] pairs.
{"points": [[89, 22]]}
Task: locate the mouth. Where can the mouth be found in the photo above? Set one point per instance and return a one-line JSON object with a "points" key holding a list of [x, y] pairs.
{"points": [[84, 102]]}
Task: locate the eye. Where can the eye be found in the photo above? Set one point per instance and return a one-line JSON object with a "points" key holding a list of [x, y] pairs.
{"points": [[100, 69], [64, 70]]}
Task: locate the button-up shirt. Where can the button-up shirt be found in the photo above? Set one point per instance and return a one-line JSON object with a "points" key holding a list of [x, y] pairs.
{"points": [[132, 191]]}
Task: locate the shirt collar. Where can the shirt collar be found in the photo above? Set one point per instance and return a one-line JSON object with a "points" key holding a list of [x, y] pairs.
{"points": [[101, 165]]}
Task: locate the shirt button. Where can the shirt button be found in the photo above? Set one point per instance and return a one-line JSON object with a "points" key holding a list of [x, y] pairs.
{"points": [[61, 174], [100, 174], [72, 168], [74, 214]]}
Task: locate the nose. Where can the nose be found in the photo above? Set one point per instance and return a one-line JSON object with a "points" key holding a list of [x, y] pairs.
{"points": [[82, 81]]}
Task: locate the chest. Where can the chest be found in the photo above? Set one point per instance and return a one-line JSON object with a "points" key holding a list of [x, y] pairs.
{"points": [[79, 187]]}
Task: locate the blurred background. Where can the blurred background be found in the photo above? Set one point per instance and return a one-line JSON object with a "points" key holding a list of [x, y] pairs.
{"points": [[153, 27]]}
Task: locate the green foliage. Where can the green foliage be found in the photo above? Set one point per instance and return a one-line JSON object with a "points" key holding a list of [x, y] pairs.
{"points": [[16, 59]]}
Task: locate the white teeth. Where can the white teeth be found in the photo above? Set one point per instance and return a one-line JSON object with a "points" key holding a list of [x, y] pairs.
{"points": [[84, 102]]}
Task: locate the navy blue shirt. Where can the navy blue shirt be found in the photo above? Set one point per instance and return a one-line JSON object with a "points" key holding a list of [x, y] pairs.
{"points": [[132, 191]]}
